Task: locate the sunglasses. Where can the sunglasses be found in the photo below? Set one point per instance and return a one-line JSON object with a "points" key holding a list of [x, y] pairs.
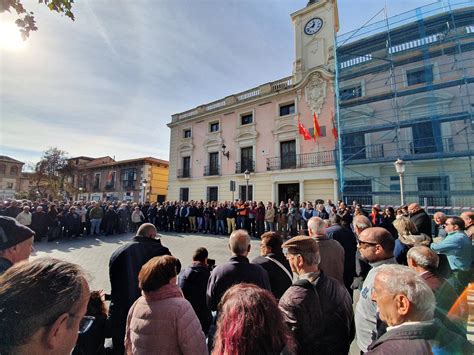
{"points": [[361, 242], [85, 324]]}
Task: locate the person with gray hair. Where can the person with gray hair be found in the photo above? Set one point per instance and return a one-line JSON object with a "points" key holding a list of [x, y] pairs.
{"points": [[425, 261], [237, 270], [42, 307], [332, 252], [407, 305], [316, 307]]}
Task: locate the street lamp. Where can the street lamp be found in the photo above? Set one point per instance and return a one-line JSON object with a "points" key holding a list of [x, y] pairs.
{"points": [[144, 182], [247, 178], [400, 167]]}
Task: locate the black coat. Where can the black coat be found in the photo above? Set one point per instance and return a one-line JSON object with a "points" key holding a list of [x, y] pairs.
{"points": [[347, 239], [40, 223], [124, 266], [279, 279], [193, 281], [321, 317], [422, 222], [237, 270]]}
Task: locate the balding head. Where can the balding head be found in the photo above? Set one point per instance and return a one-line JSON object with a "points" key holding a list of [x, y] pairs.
{"points": [[468, 218], [439, 218], [316, 227], [421, 258], [376, 244], [413, 207], [239, 242]]}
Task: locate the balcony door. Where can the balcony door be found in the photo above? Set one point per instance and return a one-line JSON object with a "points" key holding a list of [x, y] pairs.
{"points": [[353, 146], [288, 154], [424, 138], [214, 163], [246, 159]]}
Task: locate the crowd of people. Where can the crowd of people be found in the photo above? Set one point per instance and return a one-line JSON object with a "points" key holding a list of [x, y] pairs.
{"points": [[296, 297]]}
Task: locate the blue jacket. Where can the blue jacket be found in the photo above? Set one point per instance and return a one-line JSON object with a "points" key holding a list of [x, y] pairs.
{"points": [[457, 247]]}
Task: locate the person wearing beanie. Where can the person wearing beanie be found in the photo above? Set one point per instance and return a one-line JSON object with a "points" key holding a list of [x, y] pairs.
{"points": [[317, 308], [16, 242]]}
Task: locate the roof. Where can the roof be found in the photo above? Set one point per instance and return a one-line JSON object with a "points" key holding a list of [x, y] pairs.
{"points": [[10, 160], [82, 157], [98, 161]]}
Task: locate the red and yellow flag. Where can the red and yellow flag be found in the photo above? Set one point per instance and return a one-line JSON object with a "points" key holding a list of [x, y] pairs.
{"points": [[317, 129]]}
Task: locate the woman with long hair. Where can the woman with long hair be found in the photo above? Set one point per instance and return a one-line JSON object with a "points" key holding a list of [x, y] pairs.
{"points": [[250, 323], [408, 236]]}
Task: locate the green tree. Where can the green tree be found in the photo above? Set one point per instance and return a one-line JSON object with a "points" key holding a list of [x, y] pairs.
{"points": [[26, 21]]}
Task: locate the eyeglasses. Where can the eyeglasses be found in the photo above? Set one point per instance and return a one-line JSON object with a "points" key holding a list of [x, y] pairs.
{"points": [[85, 324], [361, 242]]}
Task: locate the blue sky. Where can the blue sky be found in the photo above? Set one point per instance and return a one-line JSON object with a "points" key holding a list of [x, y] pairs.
{"points": [[107, 83]]}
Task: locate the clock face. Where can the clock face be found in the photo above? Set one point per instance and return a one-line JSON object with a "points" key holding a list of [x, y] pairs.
{"points": [[313, 26]]}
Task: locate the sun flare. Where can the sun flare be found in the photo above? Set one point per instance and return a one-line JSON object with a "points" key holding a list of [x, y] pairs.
{"points": [[10, 37]]}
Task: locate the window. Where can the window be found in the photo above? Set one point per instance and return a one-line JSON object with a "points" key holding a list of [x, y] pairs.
{"points": [[435, 189], [213, 168], [287, 109], [186, 171], [96, 180], [353, 146], [394, 183], [243, 192], [9, 185], [3, 168], [187, 133], [322, 129], [246, 160], [424, 138], [420, 75], [110, 184], [214, 127], [184, 194], [350, 92], [13, 170], [246, 119], [359, 190], [129, 176], [83, 182], [212, 193], [288, 154]]}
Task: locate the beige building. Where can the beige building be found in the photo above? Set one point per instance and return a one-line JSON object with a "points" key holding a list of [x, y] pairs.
{"points": [[211, 146], [10, 173], [141, 179]]}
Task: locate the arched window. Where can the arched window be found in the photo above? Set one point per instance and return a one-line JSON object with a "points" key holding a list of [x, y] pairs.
{"points": [[3, 168], [14, 170]]}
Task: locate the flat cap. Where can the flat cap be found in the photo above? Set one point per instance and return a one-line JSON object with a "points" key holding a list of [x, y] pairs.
{"points": [[12, 232], [302, 243]]}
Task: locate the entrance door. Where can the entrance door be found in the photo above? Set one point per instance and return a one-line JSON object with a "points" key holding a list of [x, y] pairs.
{"points": [[288, 191]]}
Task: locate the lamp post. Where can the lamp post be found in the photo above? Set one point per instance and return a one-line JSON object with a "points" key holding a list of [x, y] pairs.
{"points": [[400, 167], [144, 182], [247, 178]]}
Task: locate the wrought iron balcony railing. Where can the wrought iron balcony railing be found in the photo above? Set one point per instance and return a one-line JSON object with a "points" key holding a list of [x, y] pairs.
{"points": [[299, 161], [184, 173], [212, 170], [128, 184], [249, 165]]}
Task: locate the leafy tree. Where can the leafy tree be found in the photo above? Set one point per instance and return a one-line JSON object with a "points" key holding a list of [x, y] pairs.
{"points": [[26, 20], [51, 173]]}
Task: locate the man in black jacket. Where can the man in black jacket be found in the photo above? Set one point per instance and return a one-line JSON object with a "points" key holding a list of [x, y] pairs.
{"points": [[193, 281], [272, 259], [317, 308], [420, 218], [237, 270], [124, 266]]}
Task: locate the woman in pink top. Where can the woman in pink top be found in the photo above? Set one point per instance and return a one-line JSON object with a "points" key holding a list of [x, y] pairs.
{"points": [[162, 321]]}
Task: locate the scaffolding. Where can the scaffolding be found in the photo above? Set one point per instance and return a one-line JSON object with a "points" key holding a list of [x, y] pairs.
{"points": [[404, 87]]}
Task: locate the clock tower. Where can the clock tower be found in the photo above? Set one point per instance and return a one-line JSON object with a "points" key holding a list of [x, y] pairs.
{"points": [[315, 28]]}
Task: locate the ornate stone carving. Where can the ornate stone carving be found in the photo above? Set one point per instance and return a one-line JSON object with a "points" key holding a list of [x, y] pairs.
{"points": [[316, 92]]}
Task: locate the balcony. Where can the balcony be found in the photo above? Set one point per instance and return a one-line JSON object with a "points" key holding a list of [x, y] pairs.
{"points": [[371, 151], [212, 170], [301, 161], [109, 187], [249, 165], [183, 173]]}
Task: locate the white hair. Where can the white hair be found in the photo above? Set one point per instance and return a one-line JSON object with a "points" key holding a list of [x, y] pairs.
{"points": [[400, 279], [424, 257]]}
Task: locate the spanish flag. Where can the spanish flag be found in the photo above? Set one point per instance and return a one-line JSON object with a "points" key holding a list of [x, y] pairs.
{"points": [[317, 129]]}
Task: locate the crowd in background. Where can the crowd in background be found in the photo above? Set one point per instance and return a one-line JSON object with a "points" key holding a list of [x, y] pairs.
{"points": [[412, 272]]}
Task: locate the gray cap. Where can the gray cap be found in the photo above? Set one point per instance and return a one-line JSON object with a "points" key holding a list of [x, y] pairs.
{"points": [[12, 232]]}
